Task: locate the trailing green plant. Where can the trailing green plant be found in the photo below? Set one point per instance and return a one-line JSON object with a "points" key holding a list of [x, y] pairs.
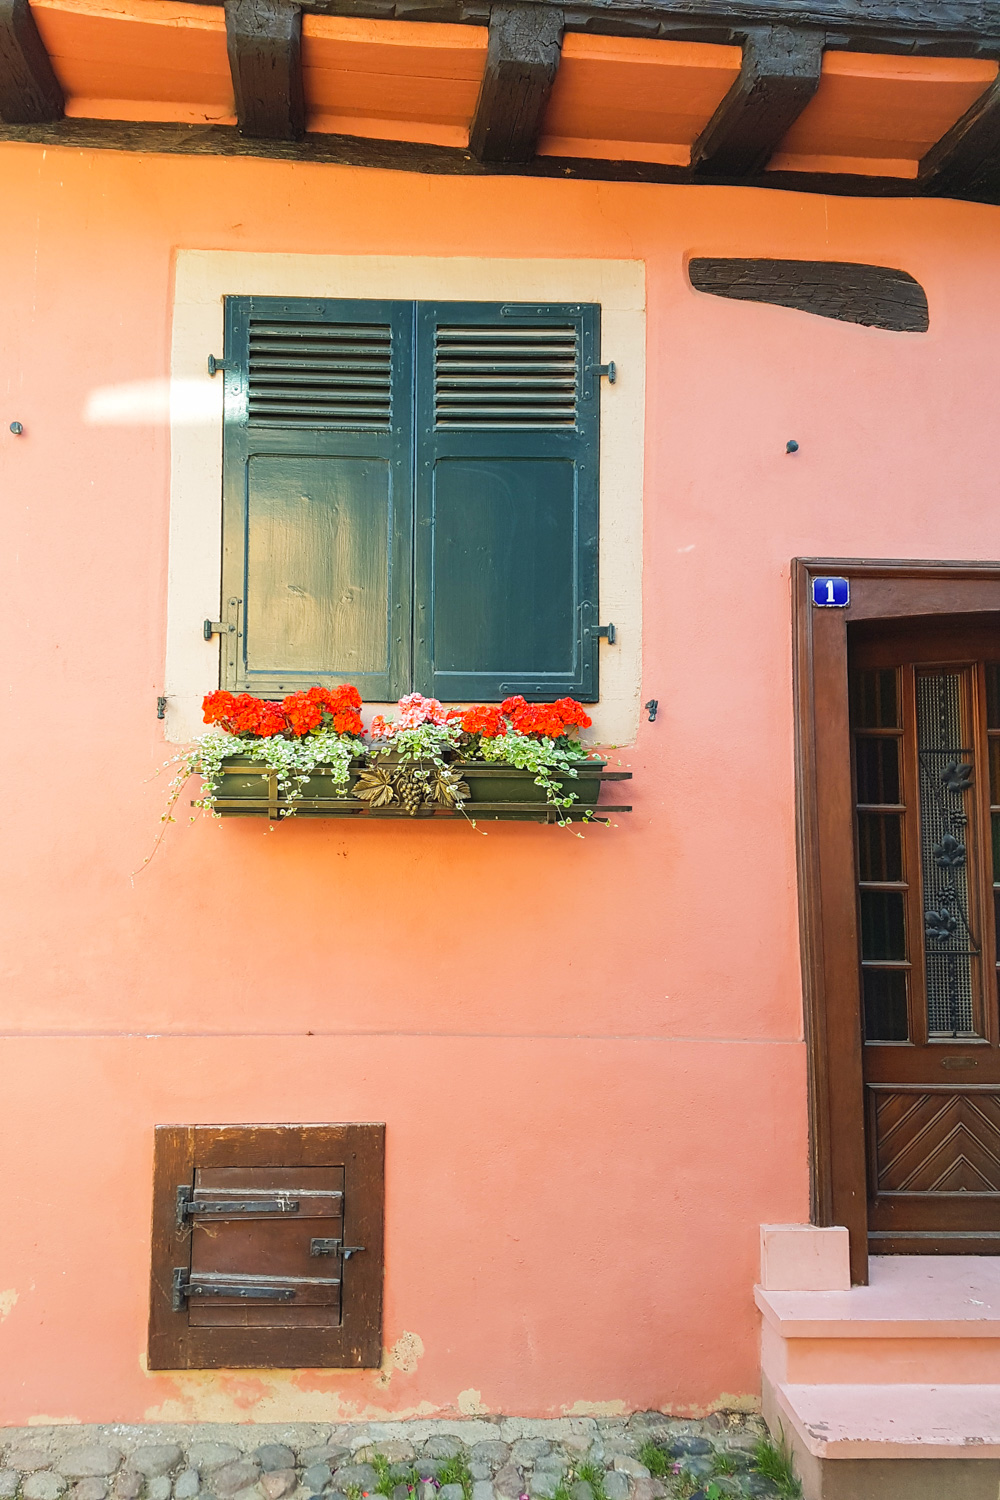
{"points": [[774, 1461]]}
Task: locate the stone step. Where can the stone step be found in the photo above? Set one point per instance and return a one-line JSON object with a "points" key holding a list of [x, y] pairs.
{"points": [[925, 1319], [890, 1441]]}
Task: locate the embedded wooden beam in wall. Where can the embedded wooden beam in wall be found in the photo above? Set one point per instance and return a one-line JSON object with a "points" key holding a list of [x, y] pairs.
{"points": [[522, 58], [875, 296], [779, 76], [264, 40], [966, 161], [29, 89]]}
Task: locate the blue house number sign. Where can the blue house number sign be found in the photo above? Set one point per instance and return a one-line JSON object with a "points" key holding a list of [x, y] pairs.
{"points": [[831, 593]]}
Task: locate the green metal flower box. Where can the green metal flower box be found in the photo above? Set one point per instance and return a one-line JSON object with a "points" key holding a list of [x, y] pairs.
{"points": [[248, 789]]}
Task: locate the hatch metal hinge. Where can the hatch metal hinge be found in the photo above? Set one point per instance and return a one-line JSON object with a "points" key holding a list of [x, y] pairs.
{"points": [[185, 1285], [189, 1207], [217, 627], [608, 371], [607, 633], [215, 365]]}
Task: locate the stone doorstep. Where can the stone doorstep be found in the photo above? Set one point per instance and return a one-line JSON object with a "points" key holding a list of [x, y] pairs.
{"points": [[908, 1296], [933, 1318]]}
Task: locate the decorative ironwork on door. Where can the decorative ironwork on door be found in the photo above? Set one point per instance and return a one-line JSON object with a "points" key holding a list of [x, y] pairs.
{"points": [[946, 777]]}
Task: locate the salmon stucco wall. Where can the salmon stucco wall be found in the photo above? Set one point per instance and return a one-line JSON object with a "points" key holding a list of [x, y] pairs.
{"points": [[587, 1051]]}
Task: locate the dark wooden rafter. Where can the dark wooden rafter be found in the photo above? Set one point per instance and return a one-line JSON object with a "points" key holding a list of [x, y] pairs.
{"points": [[522, 58], [898, 24], [264, 39], [967, 159], [30, 92], [779, 75]]}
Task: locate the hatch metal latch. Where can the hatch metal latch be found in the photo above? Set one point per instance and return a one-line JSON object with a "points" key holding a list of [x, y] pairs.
{"points": [[334, 1247]]}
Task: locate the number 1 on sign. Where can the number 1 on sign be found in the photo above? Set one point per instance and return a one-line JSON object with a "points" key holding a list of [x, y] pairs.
{"points": [[829, 592]]}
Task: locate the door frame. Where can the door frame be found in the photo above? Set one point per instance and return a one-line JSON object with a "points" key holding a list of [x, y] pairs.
{"points": [[891, 589]]}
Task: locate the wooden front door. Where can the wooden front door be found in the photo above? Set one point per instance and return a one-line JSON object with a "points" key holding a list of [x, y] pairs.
{"points": [[925, 753]]}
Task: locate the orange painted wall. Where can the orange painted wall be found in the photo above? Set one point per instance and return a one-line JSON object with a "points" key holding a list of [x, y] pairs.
{"points": [[587, 1051]]}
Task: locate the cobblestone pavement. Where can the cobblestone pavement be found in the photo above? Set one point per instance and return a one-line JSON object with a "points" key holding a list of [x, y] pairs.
{"points": [[646, 1457]]}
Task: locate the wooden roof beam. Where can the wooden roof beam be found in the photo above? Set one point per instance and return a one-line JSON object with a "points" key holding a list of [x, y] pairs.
{"points": [[30, 92], [264, 41], [966, 161], [522, 58], [779, 76]]}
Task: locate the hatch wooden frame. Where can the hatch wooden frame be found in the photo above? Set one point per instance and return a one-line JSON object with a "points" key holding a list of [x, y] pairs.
{"points": [[357, 1343]]}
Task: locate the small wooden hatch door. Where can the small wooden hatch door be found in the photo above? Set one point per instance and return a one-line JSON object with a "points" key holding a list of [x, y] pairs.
{"points": [[267, 1246]]}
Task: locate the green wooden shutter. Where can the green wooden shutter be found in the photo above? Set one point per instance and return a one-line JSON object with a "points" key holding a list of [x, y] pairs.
{"points": [[506, 546], [318, 495]]}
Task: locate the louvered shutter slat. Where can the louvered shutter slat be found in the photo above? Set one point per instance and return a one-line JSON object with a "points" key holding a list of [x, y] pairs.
{"points": [[345, 374]]}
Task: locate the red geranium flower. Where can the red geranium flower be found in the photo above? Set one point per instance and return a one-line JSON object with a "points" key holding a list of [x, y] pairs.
{"points": [[485, 719]]}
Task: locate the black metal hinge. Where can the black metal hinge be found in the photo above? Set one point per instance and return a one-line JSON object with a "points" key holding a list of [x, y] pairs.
{"points": [[215, 365], [230, 1208], [185, 1285], [610, 370], [607, 633]]}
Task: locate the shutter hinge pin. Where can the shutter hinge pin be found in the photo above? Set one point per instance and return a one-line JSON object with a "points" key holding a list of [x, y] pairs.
{"points": [[607, 633], [610, 370], [161, 707], [216, 627], [215, 365]]}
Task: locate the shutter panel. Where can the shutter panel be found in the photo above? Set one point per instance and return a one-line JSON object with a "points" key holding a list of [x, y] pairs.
{"points": [[505, 562], [318, 510]]}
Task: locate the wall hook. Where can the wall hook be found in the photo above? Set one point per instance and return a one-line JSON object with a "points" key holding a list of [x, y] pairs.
{"points": [[652, 708], [791, 446], [17, 428], [161, 707]]}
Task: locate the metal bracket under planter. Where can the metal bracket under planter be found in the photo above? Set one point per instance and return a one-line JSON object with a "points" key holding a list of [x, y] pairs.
{"points": [[514, 796]]}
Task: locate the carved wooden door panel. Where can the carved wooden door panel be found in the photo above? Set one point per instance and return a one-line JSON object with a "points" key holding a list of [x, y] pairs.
{"points": [[925, 729]]}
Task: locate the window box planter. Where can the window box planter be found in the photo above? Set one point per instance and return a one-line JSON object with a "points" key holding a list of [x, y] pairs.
{"points": [[495, 792]]}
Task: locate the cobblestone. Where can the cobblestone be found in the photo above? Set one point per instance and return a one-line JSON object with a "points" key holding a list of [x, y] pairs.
{"points": [[96, 1460], [43, 1486], [505, 1458], [274, 1456], [206, 1457], [277, 1483], [27, 1458], [93, 1489]]}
